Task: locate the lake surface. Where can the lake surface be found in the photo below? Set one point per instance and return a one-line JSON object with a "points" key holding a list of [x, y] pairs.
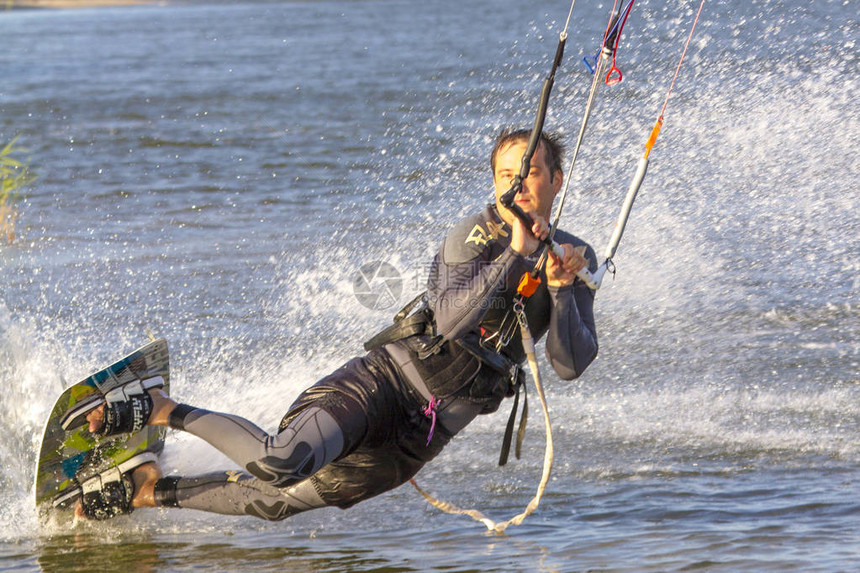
{"points": [[218, 173]]}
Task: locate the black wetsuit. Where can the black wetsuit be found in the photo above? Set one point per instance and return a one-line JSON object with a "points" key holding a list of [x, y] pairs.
{"points": [[372, 424]]}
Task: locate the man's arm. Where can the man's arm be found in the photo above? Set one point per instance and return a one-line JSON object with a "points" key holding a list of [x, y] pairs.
{"points": [[571, 343], [467, 278], [461, 290]]}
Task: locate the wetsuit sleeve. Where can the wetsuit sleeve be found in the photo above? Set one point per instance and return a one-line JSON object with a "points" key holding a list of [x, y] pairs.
{"points": [[464, 280], [571, 343], [465, 291]]}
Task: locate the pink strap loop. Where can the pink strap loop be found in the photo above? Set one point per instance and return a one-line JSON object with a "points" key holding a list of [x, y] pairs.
{"points": [[430, 412]]}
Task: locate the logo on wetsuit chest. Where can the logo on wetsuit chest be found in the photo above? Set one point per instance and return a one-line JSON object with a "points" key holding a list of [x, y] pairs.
{"points": [[481, 237]]}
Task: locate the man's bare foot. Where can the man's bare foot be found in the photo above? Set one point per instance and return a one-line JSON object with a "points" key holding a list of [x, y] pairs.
{"points": [[144, 477], [96, 419]]}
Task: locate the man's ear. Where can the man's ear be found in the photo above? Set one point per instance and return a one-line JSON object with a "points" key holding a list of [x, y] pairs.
{"points": [[556, 182]]}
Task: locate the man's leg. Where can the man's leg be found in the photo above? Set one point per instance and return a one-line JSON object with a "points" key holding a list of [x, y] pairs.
{"points": [[226, 492], [311, 440], [236, 493], [330, 419]]}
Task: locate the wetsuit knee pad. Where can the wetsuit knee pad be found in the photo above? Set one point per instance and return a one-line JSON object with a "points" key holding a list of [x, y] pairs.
{"points": [[311, 440]]}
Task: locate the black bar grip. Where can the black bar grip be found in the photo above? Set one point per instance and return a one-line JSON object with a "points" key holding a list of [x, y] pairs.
{"points": [[507, 198]]}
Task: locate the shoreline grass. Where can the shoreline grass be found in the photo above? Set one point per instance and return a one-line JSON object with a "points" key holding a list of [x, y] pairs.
{"points": [[68, 4], [15, 175]]}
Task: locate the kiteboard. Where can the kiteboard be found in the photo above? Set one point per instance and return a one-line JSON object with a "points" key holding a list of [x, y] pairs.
{"points": [[71, 459]]}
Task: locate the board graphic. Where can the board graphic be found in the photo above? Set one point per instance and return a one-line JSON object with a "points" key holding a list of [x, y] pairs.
{"points": [[70, 454]]}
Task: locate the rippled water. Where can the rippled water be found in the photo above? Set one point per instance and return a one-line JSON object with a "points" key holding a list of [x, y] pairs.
{"points": [[218, 173]]}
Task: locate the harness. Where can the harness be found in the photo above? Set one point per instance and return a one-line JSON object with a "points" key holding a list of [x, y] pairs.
{"points": [[440, 369], [406, 325]]}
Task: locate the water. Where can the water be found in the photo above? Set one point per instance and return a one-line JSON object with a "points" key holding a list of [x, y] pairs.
{"points": [[217, 174]]}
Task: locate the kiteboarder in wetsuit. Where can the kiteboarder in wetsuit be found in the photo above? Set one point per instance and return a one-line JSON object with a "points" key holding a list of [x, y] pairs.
{"points": [[372, 424]]}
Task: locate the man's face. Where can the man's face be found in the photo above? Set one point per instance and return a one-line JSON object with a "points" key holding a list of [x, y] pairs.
{"points": [[539, 188]]}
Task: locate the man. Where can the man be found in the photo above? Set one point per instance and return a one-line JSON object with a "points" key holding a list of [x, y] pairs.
{"points": [[371, 425]]}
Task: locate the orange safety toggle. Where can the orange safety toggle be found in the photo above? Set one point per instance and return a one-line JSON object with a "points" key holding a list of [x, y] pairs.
{"points": [[528, 285], [653, 138]]}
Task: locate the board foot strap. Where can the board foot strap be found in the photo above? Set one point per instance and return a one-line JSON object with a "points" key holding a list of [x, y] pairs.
{"points": [[98, 482], [77, 415]]}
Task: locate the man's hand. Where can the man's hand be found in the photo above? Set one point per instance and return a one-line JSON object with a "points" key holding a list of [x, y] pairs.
{"points": [[561, 271], [526, 242]]}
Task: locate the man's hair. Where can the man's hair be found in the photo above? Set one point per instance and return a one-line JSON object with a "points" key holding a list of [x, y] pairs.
{"points": [[552, 145]]}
